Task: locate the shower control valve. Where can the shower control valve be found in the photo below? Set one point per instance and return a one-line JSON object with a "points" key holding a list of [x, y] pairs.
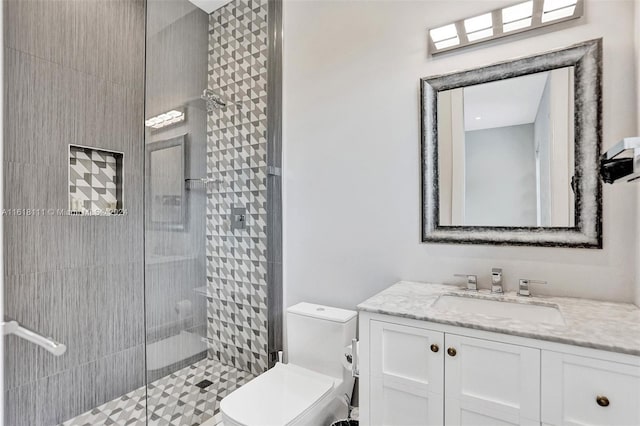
{"points": [[238, 218]]}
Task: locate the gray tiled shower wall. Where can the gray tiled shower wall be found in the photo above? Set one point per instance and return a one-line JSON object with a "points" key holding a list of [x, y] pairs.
{"points": [[74, 74]]}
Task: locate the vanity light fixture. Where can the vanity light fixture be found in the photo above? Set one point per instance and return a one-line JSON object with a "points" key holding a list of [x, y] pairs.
{"points": [[523, 16], [166, 119]]}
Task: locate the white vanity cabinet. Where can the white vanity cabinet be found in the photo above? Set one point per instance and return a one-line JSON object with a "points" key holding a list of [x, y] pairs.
{"points": [[490, 383], [579, 390], [422, 373], [406, 375]]}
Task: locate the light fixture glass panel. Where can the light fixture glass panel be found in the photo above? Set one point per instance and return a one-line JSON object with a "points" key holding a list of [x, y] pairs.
{"points": [[480, 34], [512, 26], [515, 18], [443, 33], [558, 14], [517, 12], [448, 43], [165, 119], [478, 23], [550, 5]]}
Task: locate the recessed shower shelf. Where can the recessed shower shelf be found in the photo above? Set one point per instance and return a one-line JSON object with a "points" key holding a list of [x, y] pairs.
{"points": [[95, 182]]}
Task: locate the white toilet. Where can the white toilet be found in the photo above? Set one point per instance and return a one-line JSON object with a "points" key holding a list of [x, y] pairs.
{"points": [[310, 389]]}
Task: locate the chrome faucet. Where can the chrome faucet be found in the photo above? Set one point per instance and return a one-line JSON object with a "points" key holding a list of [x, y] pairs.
{"points": [[496, 280], [472, 281], [523, 287]]}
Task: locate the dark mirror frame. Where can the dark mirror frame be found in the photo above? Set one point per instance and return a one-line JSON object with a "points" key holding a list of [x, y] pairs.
{"points": [[586, 57]]}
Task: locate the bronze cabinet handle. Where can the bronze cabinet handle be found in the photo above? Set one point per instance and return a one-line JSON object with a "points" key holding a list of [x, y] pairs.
{"points": [[602, 401], [452, 352], [434, 348]]}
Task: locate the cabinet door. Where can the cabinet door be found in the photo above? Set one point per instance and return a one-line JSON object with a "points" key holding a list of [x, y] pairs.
{"points": [[406, 375], [571, 386], [491, 383]]}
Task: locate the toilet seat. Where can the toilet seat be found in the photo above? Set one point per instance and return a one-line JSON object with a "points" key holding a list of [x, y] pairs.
{"points": [[280, 396]]}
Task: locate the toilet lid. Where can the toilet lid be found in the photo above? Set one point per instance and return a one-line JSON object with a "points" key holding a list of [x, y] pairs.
{"points": [[277, 397]]}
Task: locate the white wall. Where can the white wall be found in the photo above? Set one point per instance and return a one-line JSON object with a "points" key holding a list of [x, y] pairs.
{"points": [[351, 152]]}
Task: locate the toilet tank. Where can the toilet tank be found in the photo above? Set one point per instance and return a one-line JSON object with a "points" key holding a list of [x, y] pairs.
{"points": [[317, 336]]}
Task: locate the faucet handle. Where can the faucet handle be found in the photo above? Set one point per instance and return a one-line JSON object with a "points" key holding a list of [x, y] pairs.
{"points": [[472, 281], [496, 280], [523, 286], [469, 277], [496, 273]]}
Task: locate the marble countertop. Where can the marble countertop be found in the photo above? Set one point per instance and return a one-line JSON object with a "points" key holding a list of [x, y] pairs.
{"points": [[590, 323]]}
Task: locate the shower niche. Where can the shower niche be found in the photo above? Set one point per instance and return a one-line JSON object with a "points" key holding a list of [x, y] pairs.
{"points": [[95, 181]]}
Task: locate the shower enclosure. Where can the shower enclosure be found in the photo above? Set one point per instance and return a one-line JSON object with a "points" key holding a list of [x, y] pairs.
{"points": [[148, 133]]}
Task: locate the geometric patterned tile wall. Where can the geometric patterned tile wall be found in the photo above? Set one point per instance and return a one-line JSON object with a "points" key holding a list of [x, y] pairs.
{"points": [[236, 157], [93, 180]]}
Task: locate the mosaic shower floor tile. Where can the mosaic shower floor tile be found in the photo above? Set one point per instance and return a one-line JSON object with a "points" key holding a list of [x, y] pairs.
{"points": [[178, 399]]}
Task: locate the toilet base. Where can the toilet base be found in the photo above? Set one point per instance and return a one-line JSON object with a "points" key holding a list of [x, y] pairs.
{"points": [[323, 414]]}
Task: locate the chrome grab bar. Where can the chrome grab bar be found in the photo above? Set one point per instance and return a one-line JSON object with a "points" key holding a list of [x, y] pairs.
{"points": [[13, 327]]}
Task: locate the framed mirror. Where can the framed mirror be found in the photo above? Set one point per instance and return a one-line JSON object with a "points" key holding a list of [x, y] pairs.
{"points": [[510, 152], [166, 193]]}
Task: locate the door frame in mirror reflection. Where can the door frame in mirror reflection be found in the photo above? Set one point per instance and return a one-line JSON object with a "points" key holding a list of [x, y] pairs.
{"points": [[180, 222], [586, 58]]}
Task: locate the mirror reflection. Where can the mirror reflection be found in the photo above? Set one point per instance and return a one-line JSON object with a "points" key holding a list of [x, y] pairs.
{"points": [[166, 198], [506, 152]]}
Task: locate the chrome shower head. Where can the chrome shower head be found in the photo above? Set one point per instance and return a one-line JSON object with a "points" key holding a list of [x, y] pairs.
{"points": [[213, 100]]}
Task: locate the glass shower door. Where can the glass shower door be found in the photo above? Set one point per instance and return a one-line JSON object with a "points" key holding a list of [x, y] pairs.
{"points": [[206, 205], [175, 151]]}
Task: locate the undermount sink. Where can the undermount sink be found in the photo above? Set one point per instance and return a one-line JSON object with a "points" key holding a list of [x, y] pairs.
{"points": [[498, 308]]}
